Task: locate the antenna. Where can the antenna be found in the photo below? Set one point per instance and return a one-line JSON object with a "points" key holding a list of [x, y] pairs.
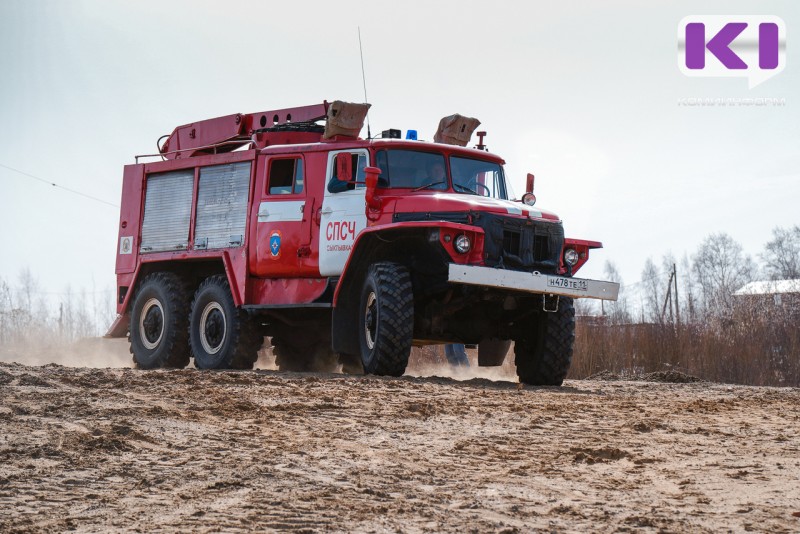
{"points": [[364, 79]]}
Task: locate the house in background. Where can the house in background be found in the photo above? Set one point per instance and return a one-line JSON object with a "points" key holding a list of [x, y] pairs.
{"points": [[782, 292]]}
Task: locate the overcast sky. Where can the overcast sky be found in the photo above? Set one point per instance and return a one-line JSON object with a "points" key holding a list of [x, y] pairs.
{"points": [[584, 94]]}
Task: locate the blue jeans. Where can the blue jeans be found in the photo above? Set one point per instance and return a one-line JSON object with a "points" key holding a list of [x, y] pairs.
{"points": [[456, 355]]}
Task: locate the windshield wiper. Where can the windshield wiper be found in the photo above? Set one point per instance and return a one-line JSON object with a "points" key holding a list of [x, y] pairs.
{"points": [[426, 186], [465, 188]]}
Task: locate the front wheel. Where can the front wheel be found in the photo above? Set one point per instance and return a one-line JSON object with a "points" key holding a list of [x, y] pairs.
{"points": [[543, 349], [386, 319], [221, 335]]}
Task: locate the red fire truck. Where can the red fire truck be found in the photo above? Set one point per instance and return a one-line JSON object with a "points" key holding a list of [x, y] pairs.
{"points": [[344, 250]]}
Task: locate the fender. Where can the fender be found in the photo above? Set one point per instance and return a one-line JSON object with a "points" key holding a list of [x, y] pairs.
{"points": [[344, 321], [475, 256], [582, 246], [234, 266]]}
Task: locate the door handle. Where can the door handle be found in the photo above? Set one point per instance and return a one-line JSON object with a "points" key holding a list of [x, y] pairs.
{"points": [[327, 211]]}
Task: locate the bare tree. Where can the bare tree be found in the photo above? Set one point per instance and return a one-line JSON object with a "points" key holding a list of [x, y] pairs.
{"points": [[28, 286], [688, 290], [618, 312], [6, 305], [721, 267], [653, 295], [782, 254], [584, 307]]}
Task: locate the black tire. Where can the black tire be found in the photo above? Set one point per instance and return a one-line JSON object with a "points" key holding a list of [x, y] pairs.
{"points": [[159, 322], [386, 319], [221, 335], [544, 350]]}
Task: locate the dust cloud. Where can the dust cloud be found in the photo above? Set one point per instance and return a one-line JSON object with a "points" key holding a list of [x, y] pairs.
{"points": [[431, 362], [93, 352], [103, 353]]}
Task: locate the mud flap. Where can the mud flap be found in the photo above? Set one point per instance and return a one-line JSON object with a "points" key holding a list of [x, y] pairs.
{"points": [[120, 326], [492, 352], [343, 330]]}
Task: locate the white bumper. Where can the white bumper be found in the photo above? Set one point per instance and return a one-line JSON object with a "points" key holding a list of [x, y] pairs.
{"points": [[533, 282]]}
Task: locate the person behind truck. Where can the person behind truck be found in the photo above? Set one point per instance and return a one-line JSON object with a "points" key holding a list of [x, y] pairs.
{"points": [[456, 355]]}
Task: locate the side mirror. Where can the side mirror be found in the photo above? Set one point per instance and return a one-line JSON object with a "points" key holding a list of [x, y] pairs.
{"points": [[371, 180], [344, 167], [529, 184]]}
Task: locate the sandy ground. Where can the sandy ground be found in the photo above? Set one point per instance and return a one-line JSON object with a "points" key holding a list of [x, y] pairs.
{"points": [[125, 450]]}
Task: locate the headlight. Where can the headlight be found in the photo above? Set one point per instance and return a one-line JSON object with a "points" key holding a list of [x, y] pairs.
{"points": [[462, 244], [571, 256], [529, 199]]}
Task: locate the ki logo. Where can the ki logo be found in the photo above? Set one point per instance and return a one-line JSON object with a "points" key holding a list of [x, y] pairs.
{"points": [[747, 46]]}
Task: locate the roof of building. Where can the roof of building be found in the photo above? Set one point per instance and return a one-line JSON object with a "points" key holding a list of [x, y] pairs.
{"points": [[769, 287]]}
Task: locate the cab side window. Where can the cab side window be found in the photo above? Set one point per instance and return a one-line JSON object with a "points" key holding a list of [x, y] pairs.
{"points": [[286, 176], [359, 163]]}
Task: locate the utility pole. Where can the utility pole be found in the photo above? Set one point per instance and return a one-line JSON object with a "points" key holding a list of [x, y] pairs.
{"points": [[677, 307], [668, 299]]}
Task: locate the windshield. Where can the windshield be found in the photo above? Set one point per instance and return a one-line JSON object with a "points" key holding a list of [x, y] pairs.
{"points": [[412, 169], [478, 177]]}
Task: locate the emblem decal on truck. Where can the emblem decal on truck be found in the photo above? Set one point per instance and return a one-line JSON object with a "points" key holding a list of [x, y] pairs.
{"points": [[275, 245], [125, 245]]}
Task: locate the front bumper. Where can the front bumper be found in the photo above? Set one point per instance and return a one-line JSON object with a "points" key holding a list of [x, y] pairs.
{"points": [[545, 284]]}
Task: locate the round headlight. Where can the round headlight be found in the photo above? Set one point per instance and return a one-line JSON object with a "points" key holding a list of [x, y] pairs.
{"points": [[571, 256], [529, 199], [462, 244]]}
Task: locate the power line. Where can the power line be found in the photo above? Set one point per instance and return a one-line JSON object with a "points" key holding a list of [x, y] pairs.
{"points": [[74, 192]]}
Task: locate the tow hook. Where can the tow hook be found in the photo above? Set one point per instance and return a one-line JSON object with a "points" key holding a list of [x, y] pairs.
{"points": [[550, 303]]}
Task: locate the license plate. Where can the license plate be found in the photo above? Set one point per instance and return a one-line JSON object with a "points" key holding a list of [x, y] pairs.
{"points": [[568, 283]]}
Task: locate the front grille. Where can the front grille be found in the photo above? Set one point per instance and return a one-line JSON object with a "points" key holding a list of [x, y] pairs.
{"points": [[510, 242], [521, 244], [513, 245], [541, 248]]}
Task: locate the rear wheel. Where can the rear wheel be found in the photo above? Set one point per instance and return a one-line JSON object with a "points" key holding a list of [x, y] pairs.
{"points": [[221, 335], [386, 319], [544, 349], [158, 329]]}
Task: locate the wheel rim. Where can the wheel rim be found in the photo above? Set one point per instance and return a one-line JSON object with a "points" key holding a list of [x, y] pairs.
{"points": [[213, 328], [371, 320], [151, 324]]}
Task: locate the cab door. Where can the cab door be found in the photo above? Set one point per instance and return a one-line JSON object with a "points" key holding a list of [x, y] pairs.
{"points": [[343, 214], [283, 234]]}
